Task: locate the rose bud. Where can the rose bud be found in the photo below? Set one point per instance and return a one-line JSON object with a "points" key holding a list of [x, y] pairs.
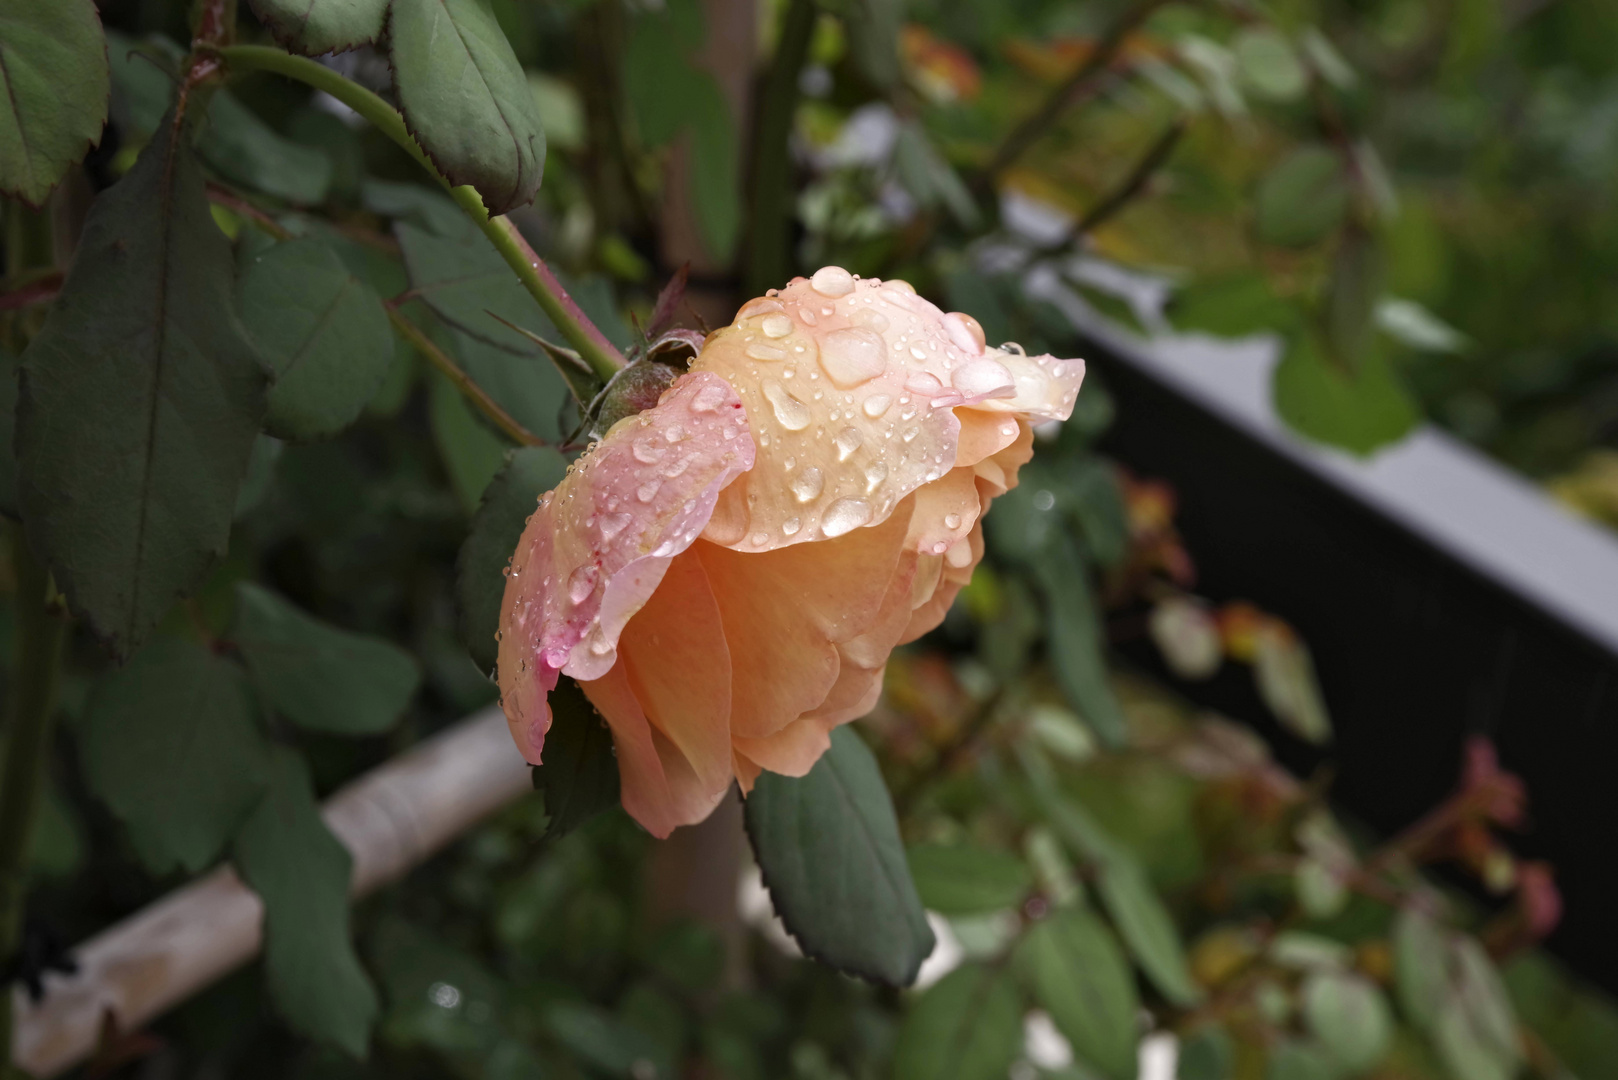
{"points": [[726, 573]]}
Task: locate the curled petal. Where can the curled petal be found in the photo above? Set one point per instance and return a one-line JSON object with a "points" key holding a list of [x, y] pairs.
{"points": [[598, 546], [1043, 387]]}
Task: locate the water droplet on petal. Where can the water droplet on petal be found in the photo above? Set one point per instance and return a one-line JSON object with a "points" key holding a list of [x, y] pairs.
{"points": [[792, 413], [776, 326], [845, 515], [760, 351], [581, 583], [709, 398], [597, 641], [848, 441], [852, 356], [806, 485], [791, 526], [647, 452], [759, 539], [874, 319], [675, 433], [876, 405], [648, 490], [874, 476], [807, 316], [832, 281], [924, 382], [984, 378], [952, 521], [613, 524]]}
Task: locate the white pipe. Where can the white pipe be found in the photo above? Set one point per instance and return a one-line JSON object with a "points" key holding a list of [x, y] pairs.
{"points": [[390, 819]]}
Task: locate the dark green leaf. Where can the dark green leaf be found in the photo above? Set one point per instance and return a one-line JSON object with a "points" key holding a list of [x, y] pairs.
{"points": [[1206, 1054], [929, 179], [466, 100], [1097, 506], [659, 80], [480, 581], [714, 175], [966, 1027], [318, 676], [1147, 928], [1233, 306], [963, 879], [1358, 412], [873, 28], [1350, 1017], [828, 844], [144, 76], [260, 474], [579, 776], [529, 387], [139, 402], [1269, 64], [247, 150], [1302, 199], [438, 996], [323, 331], [53, 64], [1352, 294], [1079, 975], [8, 431], [1295, 1059], [318, 26], [602, 1040], [425, 207], [472, 453], [1076, 639], [56, 848], [299, 869], [464, 280], [170, 744], [1421, 965]]}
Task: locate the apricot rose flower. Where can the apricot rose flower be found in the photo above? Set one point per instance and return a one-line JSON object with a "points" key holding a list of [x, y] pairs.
{"points": [[726, 573]]}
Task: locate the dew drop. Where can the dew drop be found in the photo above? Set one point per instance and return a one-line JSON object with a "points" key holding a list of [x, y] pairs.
{"points": [[675, 433], [952, 521], [760, 351], [598, 642], [776, 326], [709, 398], [852, 356], [924, 382], [848, 440], [832, 281], [806, 486], [873, 319], [874, 476], [581, 583], [807, 316], [790, 526], [613, 524], [647, 452], [845, 515], [909, 434], [985, 378], [648, 490], [759, 539], [792, 413]]}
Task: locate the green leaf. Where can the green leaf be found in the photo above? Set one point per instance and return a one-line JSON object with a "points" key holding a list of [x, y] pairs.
{"points": [[1350, 1017], [579, 776], [964, 879], [480, 580], [57, 845], [1233, 306], [322, 330], [659, 80], [529, 387], [873, 38], [1296, 1059], [472, 454], [601, 1039], [1302, 199], [247, 150], [1268, 63], [320, 677], [1421, 964], [1352, 292], [1358, 412], [53, 64], [1076, 639], [714, 168], [438, 996], [319, 26], [1285, 673], [8, 431], [301, 871], [169, 742], [1206, 1054], [139, 402], [144, 76], [929, 179], [425, 207], [469, 286], [1079, 976], [466, 100], [828, 844], [968, 1026], [1098, 508], [1147, 927], [1476, 1027]]}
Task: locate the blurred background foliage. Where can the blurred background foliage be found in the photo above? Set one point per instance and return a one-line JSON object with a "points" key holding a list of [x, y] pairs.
{"points": [[1413, 197]]}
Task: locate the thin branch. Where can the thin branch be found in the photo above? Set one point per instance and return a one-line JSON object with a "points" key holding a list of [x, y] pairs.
{"points": [[1131, 187], [463, 382], [1078, 86], [223, 196]]}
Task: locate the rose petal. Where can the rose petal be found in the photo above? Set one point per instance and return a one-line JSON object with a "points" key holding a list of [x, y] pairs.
{"points": [[954, 572], [946, 510], [848, 395], [786, 610], [1045, 387], [983, 434], [598, 545]]}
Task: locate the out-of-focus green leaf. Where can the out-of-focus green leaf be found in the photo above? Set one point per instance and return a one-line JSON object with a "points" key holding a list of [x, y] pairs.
{"points": [[1358, 412], [320, 677], [1350, 1017], [260, 474], [930, 179], [1079, 976], [965, 879], [299, 869], [424, 207], [1296, 1059], [480, 579], [968, 1026], [1206, 1054], [527, 386], [53, 64], [1352, 292], [1269, 65], [579, 776], [1322, 893], [560, 108], [1233, 306], [312, 27], [1286, 681], [601, 1039], [1097, 506], [463, 280], [1147, 928], [828, 844], [139, 402], [1302, 199], [1408, 323], [472, 454], [56, 847], [1421, 964], [1075, 639], [247, 150], [714, 168], [873, 37], [322, 330], [465, 98], [1476, 1027], [8, 430], [169, 742]]}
